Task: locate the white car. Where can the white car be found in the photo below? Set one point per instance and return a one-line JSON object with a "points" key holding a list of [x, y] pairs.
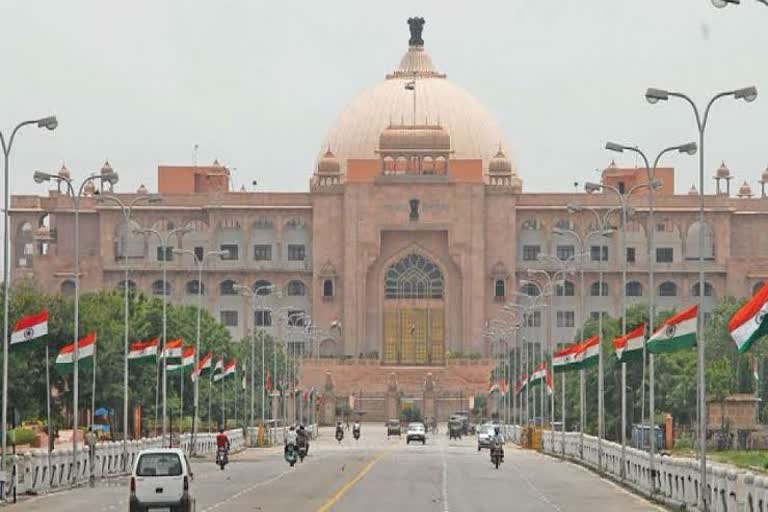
{"points": [[416, 432], [160, 482]]}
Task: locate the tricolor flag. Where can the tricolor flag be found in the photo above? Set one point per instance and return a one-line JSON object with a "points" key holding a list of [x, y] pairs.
{"points": [[676, 333], [630, 346], [172, 349], [30, 328], [539, 374], [143, 351], [520, 386], [562, 360], [218, 370], [750, 321], [229, 369], [203, 366], [550, 384], [494, 387], [65, 361], [587, 354], [187, 360]]}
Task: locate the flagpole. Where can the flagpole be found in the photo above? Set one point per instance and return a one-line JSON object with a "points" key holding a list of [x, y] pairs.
{"points": [[48, 406], [157, 389], [181, 405], [210, 392], [223, 417], [93, 387]]}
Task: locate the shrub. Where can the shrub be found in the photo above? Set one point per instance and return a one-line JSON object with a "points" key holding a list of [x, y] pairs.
{"points": [[23, 436]]}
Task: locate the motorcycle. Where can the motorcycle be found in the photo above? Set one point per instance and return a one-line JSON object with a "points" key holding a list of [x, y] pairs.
{"points": [[356, 433], [496, 457], [303, 448], [291, 454], [339, 435], [221, 458]]}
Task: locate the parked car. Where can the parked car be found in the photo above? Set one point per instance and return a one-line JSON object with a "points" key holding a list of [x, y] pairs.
{"points": [[393, 428], [160, 480], [416, 432]]}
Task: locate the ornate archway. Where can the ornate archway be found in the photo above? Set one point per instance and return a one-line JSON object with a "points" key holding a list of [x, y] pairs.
{"points": [[414, 312]]}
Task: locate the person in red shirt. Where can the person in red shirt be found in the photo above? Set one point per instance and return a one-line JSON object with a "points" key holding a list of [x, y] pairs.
{"points": [[222, 441]]}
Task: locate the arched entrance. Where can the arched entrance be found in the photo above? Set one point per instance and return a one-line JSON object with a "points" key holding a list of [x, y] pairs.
{"points": [[414, 312]]}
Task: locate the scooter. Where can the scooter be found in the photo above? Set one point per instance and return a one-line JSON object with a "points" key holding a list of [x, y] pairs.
{"points": [[496, 457], [222, 458], [291, 454]]}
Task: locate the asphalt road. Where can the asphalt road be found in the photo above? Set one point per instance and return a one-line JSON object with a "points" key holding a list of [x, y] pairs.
{"points": [[375, 474]]}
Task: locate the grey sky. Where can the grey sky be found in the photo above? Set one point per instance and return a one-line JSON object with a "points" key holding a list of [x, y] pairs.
{"points": [[258, 83]]}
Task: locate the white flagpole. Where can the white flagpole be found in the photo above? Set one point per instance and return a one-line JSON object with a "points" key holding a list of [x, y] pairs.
{"points": [[93, 387], [48, 406], [181, 405]]}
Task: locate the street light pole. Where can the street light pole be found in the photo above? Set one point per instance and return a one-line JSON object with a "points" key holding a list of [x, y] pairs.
{"points": [[126, 212], [111, 178], [50, 123]]}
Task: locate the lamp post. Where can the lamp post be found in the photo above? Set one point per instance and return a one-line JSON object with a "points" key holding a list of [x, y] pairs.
{"points": [[164, 240], [200, 265], [111, 178], [126, 211], [748, 94], [49, 123], [724, 3], [249, 294], [653, 184]]}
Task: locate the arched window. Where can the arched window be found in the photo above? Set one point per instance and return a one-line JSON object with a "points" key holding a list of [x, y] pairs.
{"points": [[567, 289], [157, 288], [262, 288], [296, 289], [121, 286], [594, 289], [499, 289], [667, 289], [708, 290], [327, 288], [530, 289], [696, 231], [195, 287], [68, 288], [227, 288], [427, 165], [413, 277], [634, 289]]}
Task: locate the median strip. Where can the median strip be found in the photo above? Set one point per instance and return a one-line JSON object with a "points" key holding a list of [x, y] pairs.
{"points": [[347, 486]]}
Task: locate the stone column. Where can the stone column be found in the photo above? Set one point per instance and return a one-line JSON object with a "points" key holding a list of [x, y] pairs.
{"points": [[392, 400], [328, 407]]}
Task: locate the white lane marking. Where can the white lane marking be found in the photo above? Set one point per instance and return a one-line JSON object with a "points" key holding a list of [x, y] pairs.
{"points": [[445, 479]]}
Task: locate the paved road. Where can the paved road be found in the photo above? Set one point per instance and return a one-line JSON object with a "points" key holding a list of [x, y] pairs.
{"points": [[376, 474]]}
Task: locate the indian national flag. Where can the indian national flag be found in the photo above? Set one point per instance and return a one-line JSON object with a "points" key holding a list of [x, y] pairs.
{"points": [[550, 384], [539, 374], [750, 321], [187, 360], [676, 333], [172, 349], [203, 366], [229, 369], [563, 361], [143, 351], [218, 370], [587, 354], [494, 387], [30, 328], [86, 347], [630, 346]]}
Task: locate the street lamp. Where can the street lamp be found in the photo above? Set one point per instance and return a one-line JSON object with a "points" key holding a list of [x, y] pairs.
{"points": [[690, 149], [200, 264], [724, 3], [41, 177], [49, 123], [126, 211], [164, 244]]}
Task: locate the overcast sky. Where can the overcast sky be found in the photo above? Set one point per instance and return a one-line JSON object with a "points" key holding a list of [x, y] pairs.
{"points": [[256, 84]]}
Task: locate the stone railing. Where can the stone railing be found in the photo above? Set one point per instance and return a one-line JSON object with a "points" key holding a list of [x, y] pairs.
{"points": [[675, 481], [36, 473], [277, 434]]}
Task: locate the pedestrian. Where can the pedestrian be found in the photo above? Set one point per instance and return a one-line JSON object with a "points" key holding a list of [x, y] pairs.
{"points": [[90, 442]]}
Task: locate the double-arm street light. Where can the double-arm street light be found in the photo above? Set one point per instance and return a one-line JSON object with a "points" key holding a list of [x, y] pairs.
{"points": [[112, 178], [126, 210], [725, 3], [200, 264], [164, 240], [259, 292], [49, 123], [653, 184], [748, 94]]}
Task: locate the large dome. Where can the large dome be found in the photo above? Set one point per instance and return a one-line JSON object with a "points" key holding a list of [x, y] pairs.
{"points": [[473, 131]]}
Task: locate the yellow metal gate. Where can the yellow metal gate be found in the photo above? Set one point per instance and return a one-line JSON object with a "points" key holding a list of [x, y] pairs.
{"points": [[414, 335]]}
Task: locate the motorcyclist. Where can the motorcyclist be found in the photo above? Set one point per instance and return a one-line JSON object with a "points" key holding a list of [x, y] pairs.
{"points": [[291, 438], [222, 443], [356, 429], [497, 442], [302, 436], [339, 428]]}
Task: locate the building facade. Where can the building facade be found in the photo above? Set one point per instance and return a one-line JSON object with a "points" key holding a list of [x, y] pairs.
{"points": [[413, 235]]}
